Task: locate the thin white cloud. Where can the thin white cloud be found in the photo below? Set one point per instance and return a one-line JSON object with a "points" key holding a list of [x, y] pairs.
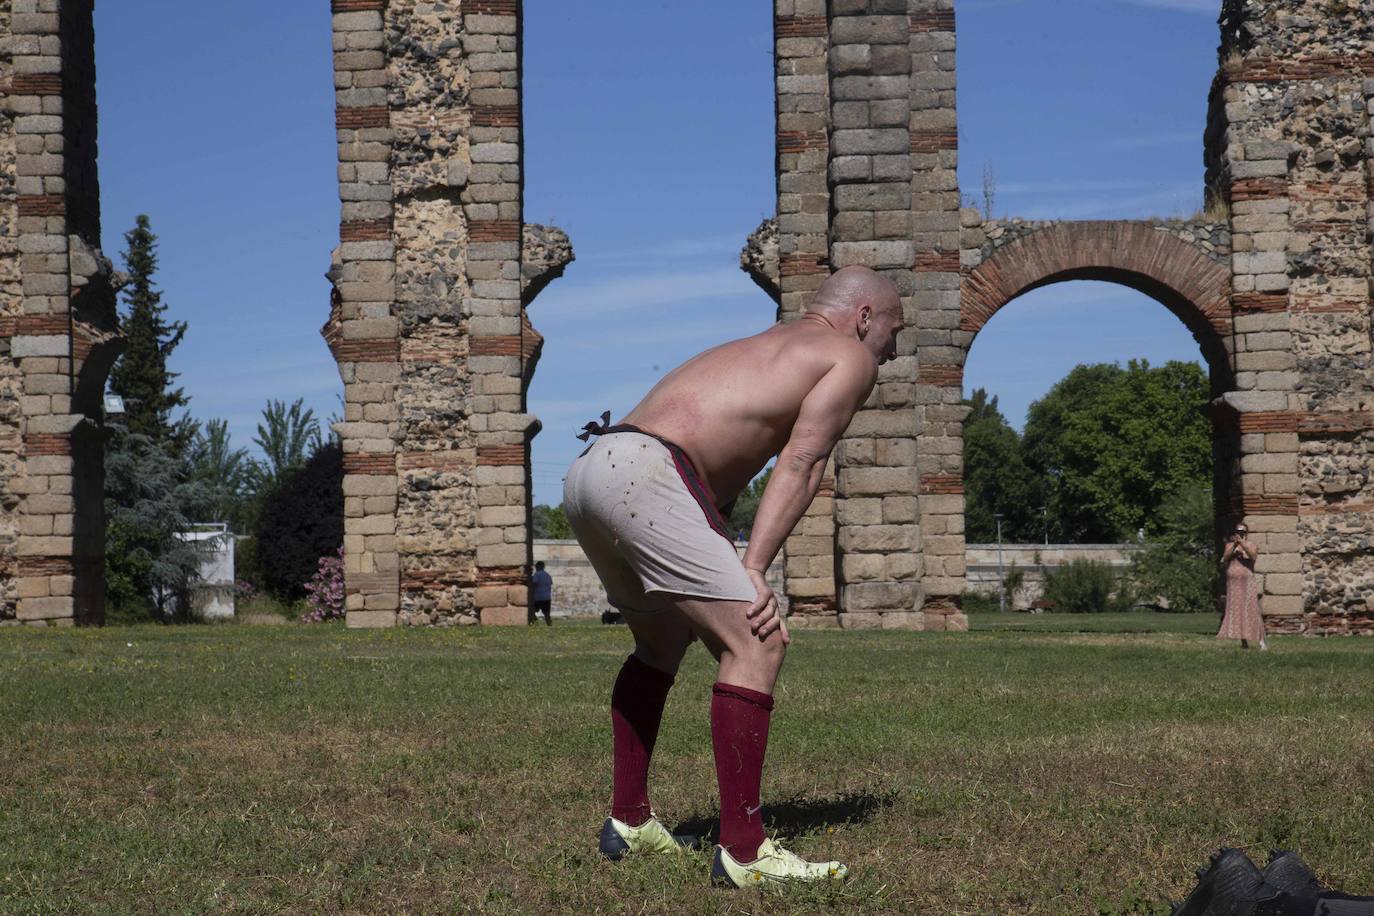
{"points": [[1171, 200], [644, 291]]}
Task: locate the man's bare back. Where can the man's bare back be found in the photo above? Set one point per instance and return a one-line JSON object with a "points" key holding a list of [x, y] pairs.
{"points": [[732, 408], [789, 391]]}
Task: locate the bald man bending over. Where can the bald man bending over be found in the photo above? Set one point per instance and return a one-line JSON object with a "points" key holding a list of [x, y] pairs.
{"points": [[647, 502]]}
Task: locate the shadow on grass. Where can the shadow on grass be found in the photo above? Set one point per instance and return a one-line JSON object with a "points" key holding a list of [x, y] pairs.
{"points": [[797, 816]]}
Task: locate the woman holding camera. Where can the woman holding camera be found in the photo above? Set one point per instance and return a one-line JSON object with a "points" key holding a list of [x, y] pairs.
{"points": [[1243, 619]]}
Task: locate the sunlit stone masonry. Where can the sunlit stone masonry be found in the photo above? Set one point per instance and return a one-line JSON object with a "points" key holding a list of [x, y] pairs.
{"points": [[428, 323], [57, 318], [1273, 281]]}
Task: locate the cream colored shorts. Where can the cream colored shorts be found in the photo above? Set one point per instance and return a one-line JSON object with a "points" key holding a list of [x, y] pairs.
{"points": [[642, 530]]}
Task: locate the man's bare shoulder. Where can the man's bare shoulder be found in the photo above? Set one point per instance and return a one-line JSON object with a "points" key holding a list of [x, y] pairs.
{"points": [[825, 350], [826, 346]]}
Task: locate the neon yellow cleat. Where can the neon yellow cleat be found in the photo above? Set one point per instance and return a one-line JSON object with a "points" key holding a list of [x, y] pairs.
{"points": [[774, 865], [619, 839]]}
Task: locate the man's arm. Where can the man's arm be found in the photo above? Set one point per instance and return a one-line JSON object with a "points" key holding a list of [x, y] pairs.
{"points": [[823, 418]]}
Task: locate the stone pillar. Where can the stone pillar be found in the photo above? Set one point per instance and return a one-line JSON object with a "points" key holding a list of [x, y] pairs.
{"points": [[872, 87], [364, 332], [1288, 147], [428, 321], [801, 32], [57, 317], [941, 342]]}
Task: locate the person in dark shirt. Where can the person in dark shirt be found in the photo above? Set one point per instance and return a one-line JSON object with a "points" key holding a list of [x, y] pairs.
{"points": [[541, 593]]}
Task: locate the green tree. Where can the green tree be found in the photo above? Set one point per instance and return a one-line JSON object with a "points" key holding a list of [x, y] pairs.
{"points": [[747, 504], [551, 522], [149, 498], [1110, 443], [301, 521], [288, 436], [1179, 563], [140, 375], [226, 471], [996, 477]]}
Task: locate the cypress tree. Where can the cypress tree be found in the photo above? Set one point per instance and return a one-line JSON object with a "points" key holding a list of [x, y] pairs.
{"points": [[141, 376]]}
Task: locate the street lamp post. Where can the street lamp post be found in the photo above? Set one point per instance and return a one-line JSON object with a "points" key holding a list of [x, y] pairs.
{"points": [[1001, 578], [1045, 520]]}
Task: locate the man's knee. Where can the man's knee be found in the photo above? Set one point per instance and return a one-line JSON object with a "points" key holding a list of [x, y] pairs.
{"points": [[767, 652]]}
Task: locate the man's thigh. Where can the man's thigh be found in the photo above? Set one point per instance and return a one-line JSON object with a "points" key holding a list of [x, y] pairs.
{"points": [[722, 626]]}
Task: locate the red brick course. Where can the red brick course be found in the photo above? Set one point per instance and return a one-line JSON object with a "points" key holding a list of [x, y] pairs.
{"points": [[42, 205], [800, 27], [36, 84], [492, 7], [932, 21], [40, 324], [500, 455], [799, 141], [1259, 302], [44, 566], [360, 118], [1268, 422], [1258, 189], [1323, 424], [47, 444], [496, 115], [357, 6], [930, 141], [940, 376], [369, 463], [503, 345], [937, 262], [941, 485], [501, 575], [1253, 504], [1274, 70], [371, 230], [796, 265], [367, 351], [494, 230]]}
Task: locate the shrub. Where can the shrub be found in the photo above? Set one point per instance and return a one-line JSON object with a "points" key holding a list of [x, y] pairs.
{"points": [[1178, 567], [1085, 587], [325, 590], [980, 602], [301, 521]]}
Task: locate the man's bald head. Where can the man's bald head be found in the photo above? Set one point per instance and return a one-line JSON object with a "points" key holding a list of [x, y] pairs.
{"points": [[860, 301], [850, 288]]}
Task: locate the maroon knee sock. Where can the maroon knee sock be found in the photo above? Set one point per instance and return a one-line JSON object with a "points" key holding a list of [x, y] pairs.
{"points": [[636, 710], [739, 734]]}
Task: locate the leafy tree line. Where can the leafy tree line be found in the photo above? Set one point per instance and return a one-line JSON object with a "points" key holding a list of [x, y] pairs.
{"points": [[1101, 453], [1107, 453], [165, 472]]}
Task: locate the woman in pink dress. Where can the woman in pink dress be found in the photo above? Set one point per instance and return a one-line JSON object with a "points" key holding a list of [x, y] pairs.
{"points": [[1243, 620]]}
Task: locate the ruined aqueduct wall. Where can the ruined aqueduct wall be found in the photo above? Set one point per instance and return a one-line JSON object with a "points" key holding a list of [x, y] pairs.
{"points": [[436, 266]]}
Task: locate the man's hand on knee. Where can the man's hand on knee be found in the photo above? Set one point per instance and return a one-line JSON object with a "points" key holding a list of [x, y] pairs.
{"points": [[764, 614]]}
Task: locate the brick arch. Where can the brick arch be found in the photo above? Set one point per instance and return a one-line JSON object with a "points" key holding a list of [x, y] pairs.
{"points": [[1179, 275]]}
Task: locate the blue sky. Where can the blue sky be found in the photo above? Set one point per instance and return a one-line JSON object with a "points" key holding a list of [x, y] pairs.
{"points": [[649, 139]]}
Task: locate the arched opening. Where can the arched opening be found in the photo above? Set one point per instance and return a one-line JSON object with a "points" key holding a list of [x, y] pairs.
{"points": [[1166, 263]]}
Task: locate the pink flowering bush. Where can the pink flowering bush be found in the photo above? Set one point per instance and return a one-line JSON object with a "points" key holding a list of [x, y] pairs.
{"points": [[324, 593], [245, 590]]}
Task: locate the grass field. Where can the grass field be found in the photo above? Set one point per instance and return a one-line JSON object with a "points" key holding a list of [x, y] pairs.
{"points": [[1028, 766]]}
